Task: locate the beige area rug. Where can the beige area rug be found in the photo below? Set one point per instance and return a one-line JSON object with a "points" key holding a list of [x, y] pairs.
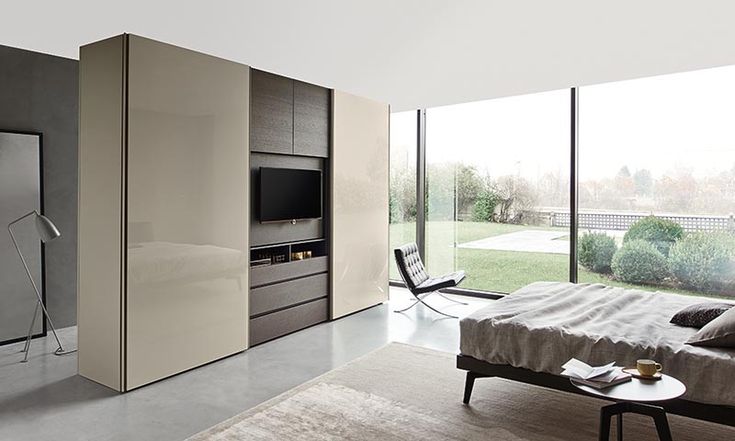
{"points": [[403, 392]]}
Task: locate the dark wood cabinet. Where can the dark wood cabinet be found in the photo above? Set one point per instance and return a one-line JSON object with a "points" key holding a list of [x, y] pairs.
{"points": [[288, 117], [311, 120], [289, 128], [271, 113]]}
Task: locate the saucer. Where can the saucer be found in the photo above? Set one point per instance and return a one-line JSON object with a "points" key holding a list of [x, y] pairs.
{"points": [[634, 372]]}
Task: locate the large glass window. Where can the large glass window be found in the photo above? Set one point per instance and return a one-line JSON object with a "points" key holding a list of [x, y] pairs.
{"points": [[657, 182], [656, 186], [497, 174], [403, 149]]}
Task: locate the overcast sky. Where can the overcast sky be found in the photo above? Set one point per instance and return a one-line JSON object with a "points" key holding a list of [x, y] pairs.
{"points": [[659, 123]]}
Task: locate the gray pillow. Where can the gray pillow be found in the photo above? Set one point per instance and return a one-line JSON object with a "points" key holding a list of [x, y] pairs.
{"points": [[696, 316], [719, 333]]}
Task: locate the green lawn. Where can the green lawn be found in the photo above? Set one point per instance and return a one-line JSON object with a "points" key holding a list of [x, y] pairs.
{"points": [[490, 270]]}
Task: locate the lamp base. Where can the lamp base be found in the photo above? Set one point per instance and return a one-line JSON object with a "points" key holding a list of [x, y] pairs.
{"points": [[59, 351], [62, 351]]}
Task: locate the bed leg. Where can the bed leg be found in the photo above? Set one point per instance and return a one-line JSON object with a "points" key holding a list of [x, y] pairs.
{"points": [[469, 383]]}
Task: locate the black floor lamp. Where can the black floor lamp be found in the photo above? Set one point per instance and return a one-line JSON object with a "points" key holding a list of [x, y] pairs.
{"points": [[47, 231]]}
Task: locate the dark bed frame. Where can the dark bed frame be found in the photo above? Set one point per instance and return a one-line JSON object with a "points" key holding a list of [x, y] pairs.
{"points": [[481, 369]]}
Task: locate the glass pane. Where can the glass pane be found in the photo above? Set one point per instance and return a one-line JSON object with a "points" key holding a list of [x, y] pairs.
{"points": [[403, 140], [662, 147], [20, 192], [497, 176]]}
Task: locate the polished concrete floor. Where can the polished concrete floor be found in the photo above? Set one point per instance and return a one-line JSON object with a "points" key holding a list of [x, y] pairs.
{"points": [[44, 399]]}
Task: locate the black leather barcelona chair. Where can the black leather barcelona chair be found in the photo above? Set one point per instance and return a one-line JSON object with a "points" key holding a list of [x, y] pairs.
{"points": [[418, 282]]}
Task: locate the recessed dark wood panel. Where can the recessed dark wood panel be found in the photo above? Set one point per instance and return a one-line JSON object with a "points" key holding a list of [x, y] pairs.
{"points": [[281, 295], [270, 326], [264, 275], [311, 120], [281, 232], [271, 113], [286, 297]]}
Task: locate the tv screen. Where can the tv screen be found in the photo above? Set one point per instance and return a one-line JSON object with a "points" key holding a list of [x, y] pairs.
{"points": [[288, 194]]}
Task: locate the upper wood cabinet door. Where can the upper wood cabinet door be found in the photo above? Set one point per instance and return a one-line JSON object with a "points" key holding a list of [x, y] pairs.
{"points": [[271, 113], [311, 120]]}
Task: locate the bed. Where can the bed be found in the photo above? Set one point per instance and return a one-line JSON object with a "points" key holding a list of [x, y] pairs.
{"points": [[530, 333]]}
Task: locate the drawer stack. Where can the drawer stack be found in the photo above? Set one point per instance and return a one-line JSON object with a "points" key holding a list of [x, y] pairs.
{"points": [[287, 297]]}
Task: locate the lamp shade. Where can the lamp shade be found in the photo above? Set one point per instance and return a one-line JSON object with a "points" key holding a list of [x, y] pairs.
{"points": [[46, 229]]}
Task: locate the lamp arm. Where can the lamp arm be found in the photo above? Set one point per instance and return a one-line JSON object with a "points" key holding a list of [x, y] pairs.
{"points": [[28, 272], [20, 219], [22, 259]]}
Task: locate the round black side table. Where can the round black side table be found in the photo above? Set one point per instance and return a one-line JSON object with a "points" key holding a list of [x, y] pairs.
{"points": [[636, 396]]}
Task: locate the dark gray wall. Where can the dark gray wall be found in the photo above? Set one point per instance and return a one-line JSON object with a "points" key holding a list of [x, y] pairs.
{"points": [[39, 93]]}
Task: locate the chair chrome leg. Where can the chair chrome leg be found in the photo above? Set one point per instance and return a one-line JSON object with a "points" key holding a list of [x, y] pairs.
{"points": [[451, 299], [415, 302], [420, 300], [436, 310]]}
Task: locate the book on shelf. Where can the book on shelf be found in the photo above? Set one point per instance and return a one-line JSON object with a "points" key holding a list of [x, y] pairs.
{"points": [[598, 377]]}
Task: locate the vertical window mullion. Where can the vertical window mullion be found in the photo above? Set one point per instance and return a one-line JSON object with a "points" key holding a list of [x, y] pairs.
{"points": [[421, 182], [573, 183]]}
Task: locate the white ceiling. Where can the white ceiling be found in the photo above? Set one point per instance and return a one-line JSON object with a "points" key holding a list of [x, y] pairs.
{"points": [[410, 53]]}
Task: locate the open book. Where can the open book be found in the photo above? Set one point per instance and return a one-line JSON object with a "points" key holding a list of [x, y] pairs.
{"points": [[599, 377]]}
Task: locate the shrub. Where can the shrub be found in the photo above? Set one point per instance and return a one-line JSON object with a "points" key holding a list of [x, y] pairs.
{"points": [[638, 261], [394, 212], [661, 233], [484, 207], [596, 251], [703, 260]]}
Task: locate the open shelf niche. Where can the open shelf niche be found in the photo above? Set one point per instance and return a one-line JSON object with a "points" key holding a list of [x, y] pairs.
{"points": [[269, 255]]}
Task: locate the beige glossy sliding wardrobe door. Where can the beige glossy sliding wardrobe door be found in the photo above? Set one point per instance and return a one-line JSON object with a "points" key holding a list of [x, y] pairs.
{"points": [[100, 226], [359, 203], [187, 205]]}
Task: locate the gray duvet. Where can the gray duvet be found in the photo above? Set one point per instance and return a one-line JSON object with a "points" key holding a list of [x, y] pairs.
{"points": [[542, 325]]}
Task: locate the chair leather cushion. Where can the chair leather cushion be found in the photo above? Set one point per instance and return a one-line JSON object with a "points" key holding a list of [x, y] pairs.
{"points": [[410, 265], [435, 283]]}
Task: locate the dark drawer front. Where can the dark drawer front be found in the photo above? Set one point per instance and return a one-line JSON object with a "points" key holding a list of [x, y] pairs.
{"points": [[280, 323], [265, 275], [281, 295]]}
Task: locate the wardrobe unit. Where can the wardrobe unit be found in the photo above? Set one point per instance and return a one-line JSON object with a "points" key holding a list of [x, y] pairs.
{"points": [[163, 191], [172, 146]]}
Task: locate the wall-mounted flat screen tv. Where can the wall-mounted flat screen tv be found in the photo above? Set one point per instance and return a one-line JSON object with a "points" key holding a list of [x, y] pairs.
{"points": [[288, 194]]}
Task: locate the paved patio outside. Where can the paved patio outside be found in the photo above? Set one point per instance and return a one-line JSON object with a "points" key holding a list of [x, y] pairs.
{"points": [[533, 241]]}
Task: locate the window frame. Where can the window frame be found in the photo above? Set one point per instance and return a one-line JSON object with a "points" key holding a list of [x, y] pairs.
{"points": [[573, 200]]}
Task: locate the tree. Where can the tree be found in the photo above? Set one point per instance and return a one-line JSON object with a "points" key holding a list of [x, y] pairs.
{"points": [[624, 172], [484, 208], [515, 195], [394, 214], [440, 188], [624, 183], [643, 182], [676, 191], [469, 186], [402, 195], [552, 189]]}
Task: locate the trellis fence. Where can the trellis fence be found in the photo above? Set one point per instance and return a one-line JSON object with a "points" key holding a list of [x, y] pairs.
{"points": [[623, 221]]}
